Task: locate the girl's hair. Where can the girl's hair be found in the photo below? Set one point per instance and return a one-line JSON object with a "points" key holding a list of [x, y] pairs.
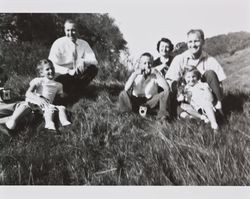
{"points": [[193, 70], [148, 55], [42, 63], [166, 40]]}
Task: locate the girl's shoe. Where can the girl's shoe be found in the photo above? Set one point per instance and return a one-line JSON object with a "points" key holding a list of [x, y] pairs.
{"points": [[50, 126], [205, 119], [215, 127], [185, 115], [218, 105], [11, 124], [66, 123]]}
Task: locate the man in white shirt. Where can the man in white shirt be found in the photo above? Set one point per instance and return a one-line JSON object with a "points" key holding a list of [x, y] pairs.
{"points": [[73, 59], [208, 66]]}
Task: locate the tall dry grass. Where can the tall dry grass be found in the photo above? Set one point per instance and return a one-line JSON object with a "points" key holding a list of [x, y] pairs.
{"points": [[106, 147]]}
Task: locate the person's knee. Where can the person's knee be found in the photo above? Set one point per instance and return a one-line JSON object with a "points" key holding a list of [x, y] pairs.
{"points": [[165, 94], [61, 108], [93, 70], [210, 75], [123, 94]]}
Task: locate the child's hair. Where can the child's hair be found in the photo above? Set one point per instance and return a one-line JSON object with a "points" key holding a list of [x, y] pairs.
{"points": [[166, 40], [193, 70], [148, 55], [42, 63]]}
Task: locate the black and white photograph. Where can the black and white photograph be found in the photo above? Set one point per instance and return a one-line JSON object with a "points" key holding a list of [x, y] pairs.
{"points": [[125, 94]]}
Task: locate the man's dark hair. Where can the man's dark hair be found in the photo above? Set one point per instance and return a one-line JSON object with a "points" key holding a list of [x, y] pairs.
{"points": [[69, 21], [148, 55]]}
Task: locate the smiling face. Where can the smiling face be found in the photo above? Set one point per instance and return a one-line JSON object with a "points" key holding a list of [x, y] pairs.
{"points": [[191, 78], [164, 48], [145, 64], [48, 71], [70, 31], [195, 44]]}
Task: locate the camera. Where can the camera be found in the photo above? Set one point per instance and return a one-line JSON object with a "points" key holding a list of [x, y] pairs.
{"points": [[143, 111], [5, 95]]}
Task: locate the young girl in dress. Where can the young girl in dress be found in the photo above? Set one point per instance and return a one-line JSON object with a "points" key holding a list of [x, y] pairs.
{"points": [[197, 98]]}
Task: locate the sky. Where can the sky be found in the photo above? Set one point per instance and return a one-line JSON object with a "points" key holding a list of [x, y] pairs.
{"points": [[144, 22]]}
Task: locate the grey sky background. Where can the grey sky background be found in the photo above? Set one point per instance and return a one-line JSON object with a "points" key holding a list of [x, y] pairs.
{"points": [[145, 23]]}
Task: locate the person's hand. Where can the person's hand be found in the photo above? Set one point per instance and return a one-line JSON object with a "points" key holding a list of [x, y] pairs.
{"points": [[164, 62], [43, 102], [156, 72], [138, 72], [148, 71], [81, 66], [180, 98], [71, 72]]}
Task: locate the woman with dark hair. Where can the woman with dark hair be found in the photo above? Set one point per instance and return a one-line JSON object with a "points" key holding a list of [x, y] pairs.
{"points": [[165, 48]]}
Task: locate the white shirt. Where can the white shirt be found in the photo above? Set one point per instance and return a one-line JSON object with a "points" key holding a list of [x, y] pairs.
{"points": [[47, 88], [62, 54], [203, 64]]}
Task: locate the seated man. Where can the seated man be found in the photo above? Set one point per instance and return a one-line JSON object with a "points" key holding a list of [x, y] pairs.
{"points": [[211, 71], [73, 59]]}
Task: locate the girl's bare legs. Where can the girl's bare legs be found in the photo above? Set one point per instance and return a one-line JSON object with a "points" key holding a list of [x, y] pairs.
{"points": [[62, 116], [48, 117], [208, 108], [189, 109], [21, 109]]}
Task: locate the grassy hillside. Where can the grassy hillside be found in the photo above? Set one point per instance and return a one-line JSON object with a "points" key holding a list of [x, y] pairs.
{"points": [[105, 147], [221, 44], [237, 68]]}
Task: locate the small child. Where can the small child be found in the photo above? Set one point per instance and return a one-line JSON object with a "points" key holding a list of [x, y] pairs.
{"points": [[41, 94], [141, 90], [198, 97]]}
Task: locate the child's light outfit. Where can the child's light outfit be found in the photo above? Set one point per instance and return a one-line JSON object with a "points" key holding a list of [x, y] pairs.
{"points": [[200, 98], [47, 89], [200, 95]]}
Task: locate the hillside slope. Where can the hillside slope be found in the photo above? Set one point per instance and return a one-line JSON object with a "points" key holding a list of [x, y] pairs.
{"points": [[237, 69]]}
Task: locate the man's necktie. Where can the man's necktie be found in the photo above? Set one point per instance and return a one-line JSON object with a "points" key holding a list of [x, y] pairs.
{"points": [[75, 57]]}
